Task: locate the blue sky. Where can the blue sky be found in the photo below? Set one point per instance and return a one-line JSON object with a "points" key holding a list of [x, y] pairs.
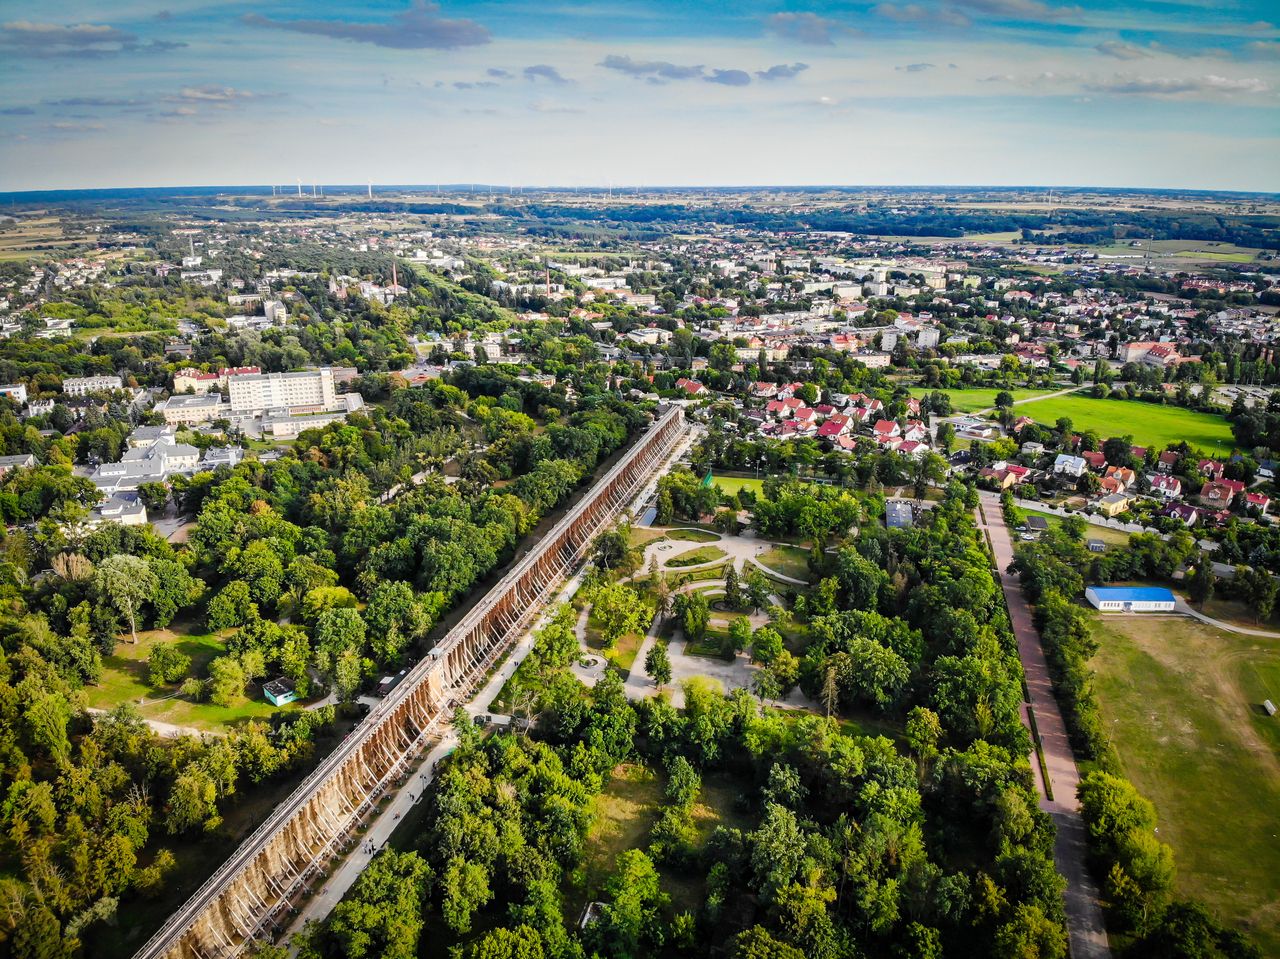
{"points": [[1152, 93]]}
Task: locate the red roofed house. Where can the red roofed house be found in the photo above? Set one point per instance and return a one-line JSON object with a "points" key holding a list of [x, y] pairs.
{"points": [[1095, 458], [835, 426], [1168, 460], [764, 389], [915, 431], [886, 428], [692, 387], [1211, 468], [1259, 501], [1219, 493], [1167, 487], [1122, 475]]}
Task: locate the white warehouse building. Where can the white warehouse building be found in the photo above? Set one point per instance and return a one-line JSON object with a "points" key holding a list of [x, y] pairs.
{"points": [[1131, 599]]}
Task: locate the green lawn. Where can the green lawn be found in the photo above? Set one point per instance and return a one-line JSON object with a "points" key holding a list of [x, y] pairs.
{"points": [[695, 557], [974, 399], [1112, 537], [692, 535], [1181, 701], [124, 679], [788, 560], [1147, 423], [625, 812], [729, 485], [651, 534]]}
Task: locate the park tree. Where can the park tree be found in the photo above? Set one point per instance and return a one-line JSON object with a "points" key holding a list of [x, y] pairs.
{"points": [[766, 645], [732, 588], [739, 635], [618, 610], [231, 607], [227, 681], [127, 583], [657, 663], [631, 924], [1202, 583], [167, 664], [695, 614]]}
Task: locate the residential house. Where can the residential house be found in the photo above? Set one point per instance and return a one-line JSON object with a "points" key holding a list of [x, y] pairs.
{"points": [[837, 425], [885, 429], [1068, 465], [1218, 494], [1113, 504], [1211, 468], [1096, 459], [1166, 487]]}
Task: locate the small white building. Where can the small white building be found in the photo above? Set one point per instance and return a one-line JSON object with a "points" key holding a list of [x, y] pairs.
{"points": [[1131, 599]]}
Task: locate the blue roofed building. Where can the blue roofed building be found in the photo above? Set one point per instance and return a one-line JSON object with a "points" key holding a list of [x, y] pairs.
{"points": [[1131, 599]]}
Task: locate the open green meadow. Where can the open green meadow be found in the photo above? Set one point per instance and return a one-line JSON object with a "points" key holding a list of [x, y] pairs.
{"points": [[124, 680], [1112, 537], [625, 813], [1182, 703], [1147, 423], [729, 485], [971, 400], [788, 560]]}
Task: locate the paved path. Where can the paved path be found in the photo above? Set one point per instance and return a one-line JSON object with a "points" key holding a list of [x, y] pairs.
{"points": [[1182, 606], [167, 730], [1084, 914], [1029, 399]]}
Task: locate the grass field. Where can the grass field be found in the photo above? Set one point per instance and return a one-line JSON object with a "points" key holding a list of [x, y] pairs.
{"points": [[729, 485], [124, 679], [788, 560], [622, 655], [1147, 423], [695, 557], [1181, 701], [625, 813], [972, 400], [1112, 537], [646, 535]]}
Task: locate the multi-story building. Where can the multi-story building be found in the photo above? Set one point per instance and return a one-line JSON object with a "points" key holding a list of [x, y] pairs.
{"points": [[194, 381], [201, 408], [16, 392], [272, 391], [84, 385], [146, 464]]}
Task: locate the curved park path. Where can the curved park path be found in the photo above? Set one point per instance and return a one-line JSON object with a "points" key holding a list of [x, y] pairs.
{"points": [[1084, 913]]}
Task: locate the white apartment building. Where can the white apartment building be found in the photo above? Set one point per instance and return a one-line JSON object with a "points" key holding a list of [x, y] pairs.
{"points": [[84, 385], [16, 392], [184, 409], [151, 463], [272, 391]]}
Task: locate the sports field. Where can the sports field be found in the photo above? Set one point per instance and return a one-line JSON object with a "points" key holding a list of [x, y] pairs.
{"points": [[972, 400], [729, 485], [1181, 701], [1147, 423]]}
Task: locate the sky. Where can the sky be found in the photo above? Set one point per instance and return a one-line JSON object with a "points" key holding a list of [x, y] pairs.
{"points": [[1148, 93]]}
